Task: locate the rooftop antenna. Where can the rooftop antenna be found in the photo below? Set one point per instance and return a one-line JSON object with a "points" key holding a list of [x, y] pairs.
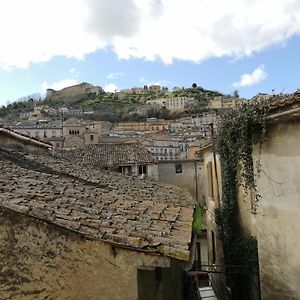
{"points": [[283, 90]]}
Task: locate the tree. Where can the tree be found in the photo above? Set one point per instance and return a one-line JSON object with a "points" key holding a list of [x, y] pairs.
{"points": [[194, 85], [236, 94]]}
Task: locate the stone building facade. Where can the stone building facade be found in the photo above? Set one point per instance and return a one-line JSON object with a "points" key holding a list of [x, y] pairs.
{"points": [[173, 104]]}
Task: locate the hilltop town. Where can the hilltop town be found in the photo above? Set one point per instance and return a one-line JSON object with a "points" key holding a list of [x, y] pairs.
{"points": [[169, 123], [182, 194]]}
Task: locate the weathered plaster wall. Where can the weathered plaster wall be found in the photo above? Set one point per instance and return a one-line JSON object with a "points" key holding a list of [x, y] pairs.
{"points": [[8, 141], [278, 214], [152, 171], [43, 261], [212, 190], [189, 179]]}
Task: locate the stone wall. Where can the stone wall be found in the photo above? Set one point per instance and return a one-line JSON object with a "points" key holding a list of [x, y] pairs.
{"points": [[73, 92], [43, 261]]}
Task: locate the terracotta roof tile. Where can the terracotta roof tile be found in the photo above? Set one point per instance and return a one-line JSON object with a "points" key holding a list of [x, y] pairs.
{"points": [[107, 155], [140, 214], [280, 101]]}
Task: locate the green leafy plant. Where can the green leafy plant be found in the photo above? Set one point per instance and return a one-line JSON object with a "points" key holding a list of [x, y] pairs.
{"points": [[197, 221], [233, 143]]}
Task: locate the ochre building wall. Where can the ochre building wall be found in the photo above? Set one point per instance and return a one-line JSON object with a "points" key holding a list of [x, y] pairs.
{"points": [[278, 214], [44, 261]]}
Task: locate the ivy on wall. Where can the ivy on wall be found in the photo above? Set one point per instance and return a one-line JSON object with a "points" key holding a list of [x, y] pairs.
{"points": [[233, 143]]}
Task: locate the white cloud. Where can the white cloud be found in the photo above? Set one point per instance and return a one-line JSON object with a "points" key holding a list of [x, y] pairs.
{"points": [[59, 84], [168, 30], [114, 75], [74, 72], [110, 88], [258, 75]]}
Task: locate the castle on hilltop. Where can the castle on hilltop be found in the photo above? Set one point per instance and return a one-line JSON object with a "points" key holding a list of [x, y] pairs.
{"points": [[79, 89]]}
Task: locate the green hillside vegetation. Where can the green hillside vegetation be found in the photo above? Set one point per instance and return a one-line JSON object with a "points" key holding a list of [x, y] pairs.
{"points": [[13, 110], [113, 106]]}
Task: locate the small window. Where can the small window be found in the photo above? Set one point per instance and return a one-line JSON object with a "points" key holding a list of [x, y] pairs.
{"points": [[91, 137], [178, 168], [142, 169], [213, 245]]}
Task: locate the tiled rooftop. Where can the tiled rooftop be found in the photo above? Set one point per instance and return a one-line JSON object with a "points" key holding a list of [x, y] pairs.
{"points": [[130, 212], [114, 154], [281, 101]]}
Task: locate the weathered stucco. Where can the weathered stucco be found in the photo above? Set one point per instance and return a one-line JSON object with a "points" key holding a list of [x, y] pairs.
{"points": [[190, 179], [9, 139], [43, 261], [212, 190], [278, 213]]}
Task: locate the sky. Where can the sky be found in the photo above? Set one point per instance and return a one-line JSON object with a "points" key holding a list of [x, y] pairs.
{"points": [[248, 46]]}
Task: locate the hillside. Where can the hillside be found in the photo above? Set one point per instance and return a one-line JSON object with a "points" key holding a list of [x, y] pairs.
{"points": [[108, 106]]}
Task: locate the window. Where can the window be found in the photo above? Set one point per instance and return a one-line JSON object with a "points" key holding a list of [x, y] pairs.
{"points": [[37, 134], [210, 185], [213, 247], [142, 169], [178, 168], [91, 137], [53, 133]]}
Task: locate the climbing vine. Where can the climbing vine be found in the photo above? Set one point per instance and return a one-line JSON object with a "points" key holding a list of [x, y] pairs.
{"points": [[233, 143]]}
